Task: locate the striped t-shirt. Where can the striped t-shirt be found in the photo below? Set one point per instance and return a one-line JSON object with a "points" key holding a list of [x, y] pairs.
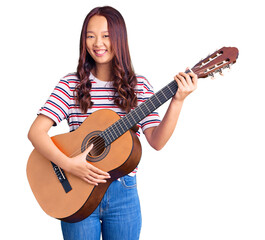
{"points": [[62, 105]]}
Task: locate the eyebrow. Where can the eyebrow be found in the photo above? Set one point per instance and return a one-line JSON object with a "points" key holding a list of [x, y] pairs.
{"points": [[93, 32]]}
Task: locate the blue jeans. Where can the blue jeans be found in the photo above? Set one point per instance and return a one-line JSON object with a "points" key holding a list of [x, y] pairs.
{"points": [[118, 216]]}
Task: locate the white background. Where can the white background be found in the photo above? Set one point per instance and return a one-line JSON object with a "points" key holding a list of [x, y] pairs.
{"points": [[208, 182]]}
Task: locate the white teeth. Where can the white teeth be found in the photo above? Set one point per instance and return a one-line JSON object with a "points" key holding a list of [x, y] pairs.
{"points": [[100, 51]]}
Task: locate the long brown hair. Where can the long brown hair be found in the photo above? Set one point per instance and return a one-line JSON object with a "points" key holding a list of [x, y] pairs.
{"points": [[124, 79]]}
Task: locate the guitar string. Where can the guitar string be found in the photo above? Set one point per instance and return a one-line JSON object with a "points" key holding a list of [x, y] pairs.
{"points": [[96, 145], [99, 142]]}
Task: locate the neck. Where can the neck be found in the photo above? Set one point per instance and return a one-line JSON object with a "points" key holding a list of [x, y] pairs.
{"points": [[103, 72]]}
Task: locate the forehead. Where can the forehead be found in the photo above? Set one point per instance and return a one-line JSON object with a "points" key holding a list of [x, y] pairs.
{"points": [[97, 24]]}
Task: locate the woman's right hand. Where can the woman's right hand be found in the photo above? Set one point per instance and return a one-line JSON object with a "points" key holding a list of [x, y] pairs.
{"points": [[79, 167]]}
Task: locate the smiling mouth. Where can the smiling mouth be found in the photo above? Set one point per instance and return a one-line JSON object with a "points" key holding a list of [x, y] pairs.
{"points": [[100, 52]]}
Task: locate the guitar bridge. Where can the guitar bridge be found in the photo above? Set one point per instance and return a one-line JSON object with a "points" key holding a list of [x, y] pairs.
{"points": [[62, 178]]}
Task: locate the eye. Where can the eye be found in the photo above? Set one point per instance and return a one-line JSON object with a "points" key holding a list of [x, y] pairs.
{"points": [[106, 36], [90, 36]]}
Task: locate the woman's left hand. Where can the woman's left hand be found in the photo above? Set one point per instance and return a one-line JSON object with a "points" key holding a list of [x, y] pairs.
{"points": [[187, 83]]}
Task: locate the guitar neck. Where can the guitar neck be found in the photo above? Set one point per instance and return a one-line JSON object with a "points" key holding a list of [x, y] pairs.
{"points": [[140, 112]]}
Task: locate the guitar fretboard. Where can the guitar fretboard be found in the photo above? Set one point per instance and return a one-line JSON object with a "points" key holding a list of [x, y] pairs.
{"points": [[140, 112]]}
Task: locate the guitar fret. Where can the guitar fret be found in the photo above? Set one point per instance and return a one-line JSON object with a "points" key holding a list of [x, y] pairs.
{"points": [[105, 137], [157, 99], [114, 131], [118, 129], [164, 94], [109, 129], [126, 122], [145, 105], [170, 89], [123, 120], [151, 106], [148, 109], [133, 120], [152, 103], [120, 126], [141, 113], [137, 114]]}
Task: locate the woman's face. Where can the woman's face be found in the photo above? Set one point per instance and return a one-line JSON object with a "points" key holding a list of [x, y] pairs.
{"points": [[97, 41]]}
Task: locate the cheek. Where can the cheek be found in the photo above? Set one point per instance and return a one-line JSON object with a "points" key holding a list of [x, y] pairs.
{"points": [[108, 44], [110, 48], [88, 44], [88, 48]]}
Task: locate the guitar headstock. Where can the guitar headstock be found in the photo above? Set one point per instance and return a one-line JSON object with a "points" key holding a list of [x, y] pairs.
{"points": [[214, 63]]}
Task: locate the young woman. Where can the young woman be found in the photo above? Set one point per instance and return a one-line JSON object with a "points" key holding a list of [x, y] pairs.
{"points": [[105, 79]]}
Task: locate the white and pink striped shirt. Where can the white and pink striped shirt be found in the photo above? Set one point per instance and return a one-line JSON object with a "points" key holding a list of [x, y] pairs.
{"points": [[61, 103]]}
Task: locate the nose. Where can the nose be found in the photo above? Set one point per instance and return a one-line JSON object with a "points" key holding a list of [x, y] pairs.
{"points": [[98, 42]]}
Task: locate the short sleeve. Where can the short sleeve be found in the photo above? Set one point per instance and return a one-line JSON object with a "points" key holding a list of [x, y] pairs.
{"points": [[58, 104], [145, 91]]}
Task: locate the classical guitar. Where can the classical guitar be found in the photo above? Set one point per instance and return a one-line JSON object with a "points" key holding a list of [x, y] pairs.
{"points": [[116, 150]]}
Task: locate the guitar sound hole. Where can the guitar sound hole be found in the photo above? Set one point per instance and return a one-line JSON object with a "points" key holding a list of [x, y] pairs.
{"points": [[98, 148]]}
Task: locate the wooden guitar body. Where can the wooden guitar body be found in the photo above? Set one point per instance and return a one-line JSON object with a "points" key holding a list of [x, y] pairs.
{"points": [[118, 159]]}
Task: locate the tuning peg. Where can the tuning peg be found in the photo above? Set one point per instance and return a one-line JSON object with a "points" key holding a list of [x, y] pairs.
{"points": [[211, 75], [228, 66], [220, 71]]}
